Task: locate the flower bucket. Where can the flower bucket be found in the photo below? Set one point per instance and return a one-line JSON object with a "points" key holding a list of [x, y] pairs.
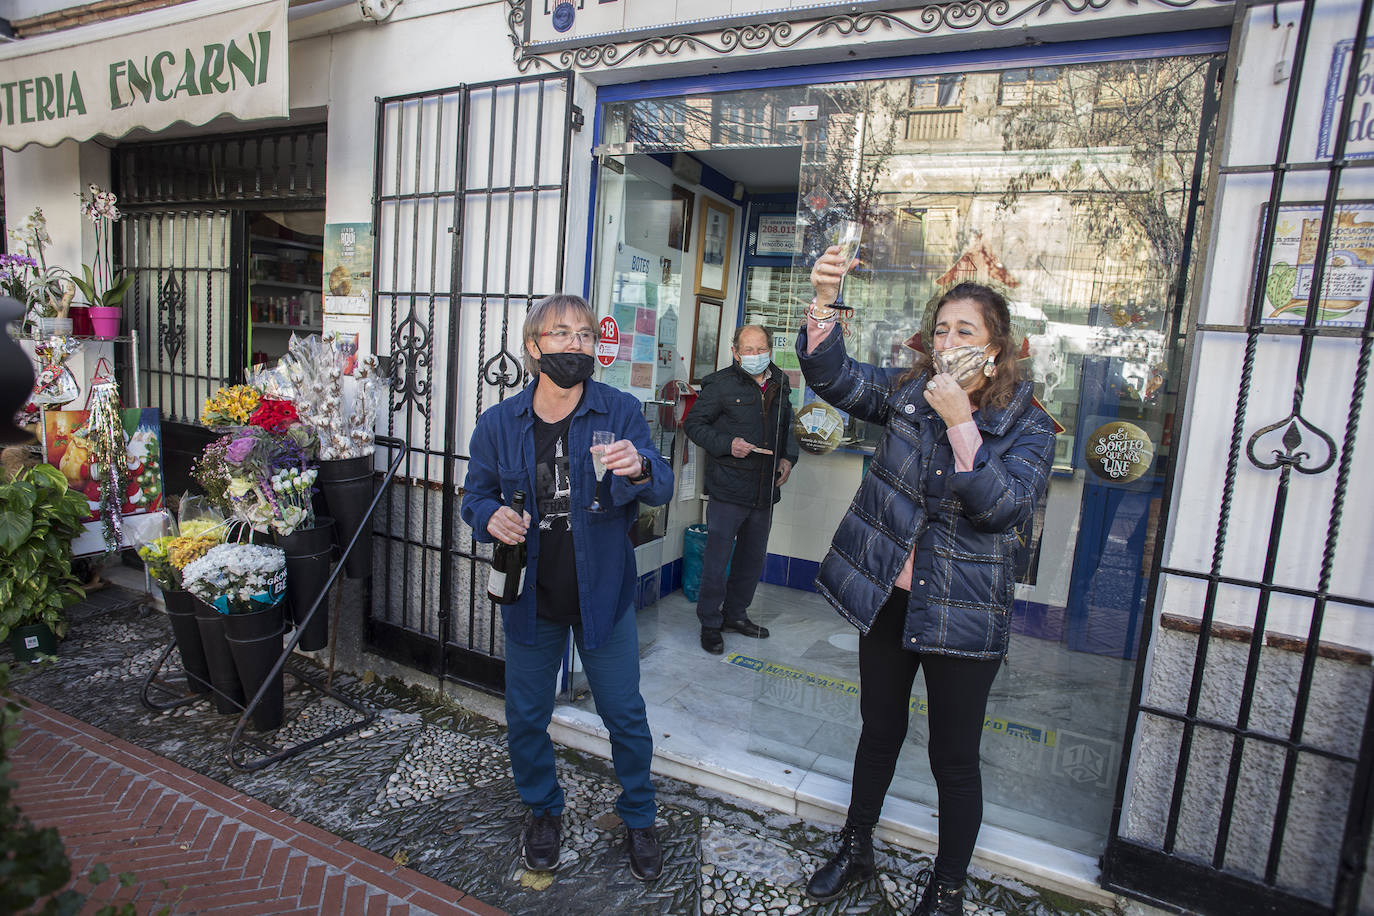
{"points": [[181, 610], [228, 692], [29, 642], [105, 320], [255, 641], [347, 486], [309, 556]]}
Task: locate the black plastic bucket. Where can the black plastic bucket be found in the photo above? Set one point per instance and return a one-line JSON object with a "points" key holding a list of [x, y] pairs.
{"points": [[309, 554], [181, 610], [255, 642], [347, 487], [228, 692]]}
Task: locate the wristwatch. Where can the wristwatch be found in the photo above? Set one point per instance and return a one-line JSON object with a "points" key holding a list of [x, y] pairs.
{"points": [[645, 470]]}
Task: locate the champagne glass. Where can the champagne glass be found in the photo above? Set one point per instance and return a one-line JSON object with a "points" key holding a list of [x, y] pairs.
{"points": [[846, 234], [601, 438]]}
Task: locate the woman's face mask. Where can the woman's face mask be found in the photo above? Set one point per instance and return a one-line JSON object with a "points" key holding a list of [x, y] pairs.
{"points": [[964, 363]]}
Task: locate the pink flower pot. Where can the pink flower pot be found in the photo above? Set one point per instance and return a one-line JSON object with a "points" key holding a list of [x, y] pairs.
{"points": [[105, 320]]}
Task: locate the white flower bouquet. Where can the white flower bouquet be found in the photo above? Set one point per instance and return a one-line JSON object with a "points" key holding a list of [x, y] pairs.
{"points": [[238, 578], [311, 375]]}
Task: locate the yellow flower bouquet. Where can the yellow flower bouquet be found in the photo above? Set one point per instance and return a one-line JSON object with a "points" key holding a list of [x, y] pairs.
{"points": [[232, 406]]}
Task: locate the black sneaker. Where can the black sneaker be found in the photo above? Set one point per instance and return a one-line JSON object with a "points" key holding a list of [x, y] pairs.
{"points": [[712, 641], [646, 855], [543, 836]]}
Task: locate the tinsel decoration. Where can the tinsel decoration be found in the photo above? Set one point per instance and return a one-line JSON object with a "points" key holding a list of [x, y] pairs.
{"points": [[104, 429]]}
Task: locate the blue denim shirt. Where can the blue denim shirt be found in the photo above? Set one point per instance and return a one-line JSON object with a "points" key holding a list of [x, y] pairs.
{"points": [[502, 461]]}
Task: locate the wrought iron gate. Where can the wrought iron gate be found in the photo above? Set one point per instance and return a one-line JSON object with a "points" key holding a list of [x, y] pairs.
{"points": [[470, 210], [1243, 774]]}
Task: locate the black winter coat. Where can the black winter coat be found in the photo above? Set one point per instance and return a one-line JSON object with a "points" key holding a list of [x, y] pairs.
{"points": [[732, 404]]}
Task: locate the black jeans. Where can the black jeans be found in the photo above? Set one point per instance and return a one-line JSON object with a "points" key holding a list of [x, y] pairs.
{"points": [[745, 530], [958, 697]]}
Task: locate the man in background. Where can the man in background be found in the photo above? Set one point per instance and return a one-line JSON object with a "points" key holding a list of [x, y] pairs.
{"points": [[743, 419]]}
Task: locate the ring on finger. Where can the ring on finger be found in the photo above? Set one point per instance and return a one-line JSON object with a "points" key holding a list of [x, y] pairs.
{"points": [[930, 385]]}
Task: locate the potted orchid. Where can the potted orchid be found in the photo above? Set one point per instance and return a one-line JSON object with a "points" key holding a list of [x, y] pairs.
{"points": [[26, 276], [102, 285]]}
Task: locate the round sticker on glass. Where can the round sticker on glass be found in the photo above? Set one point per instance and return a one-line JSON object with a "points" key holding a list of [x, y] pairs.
{"points": [[1119, 452]]}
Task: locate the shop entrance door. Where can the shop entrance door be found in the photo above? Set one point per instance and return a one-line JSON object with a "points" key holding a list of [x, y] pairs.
{"points": [[1074, 189]]}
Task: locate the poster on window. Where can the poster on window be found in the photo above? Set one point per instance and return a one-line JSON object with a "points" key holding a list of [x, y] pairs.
{"points": [[348, 269], [1348, 274], [68, 450]]}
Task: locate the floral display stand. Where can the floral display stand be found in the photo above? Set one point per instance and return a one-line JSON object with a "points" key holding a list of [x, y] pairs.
{"points": [[255, 751]]}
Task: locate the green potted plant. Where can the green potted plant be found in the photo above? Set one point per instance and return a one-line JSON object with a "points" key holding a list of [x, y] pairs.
{"points": [[39, 517]]}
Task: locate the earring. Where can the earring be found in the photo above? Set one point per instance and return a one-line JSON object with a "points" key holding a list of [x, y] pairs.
{"points": [[990, 367]]}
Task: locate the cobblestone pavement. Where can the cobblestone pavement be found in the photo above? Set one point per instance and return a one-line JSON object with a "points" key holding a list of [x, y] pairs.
{"points": [[427, 784]]}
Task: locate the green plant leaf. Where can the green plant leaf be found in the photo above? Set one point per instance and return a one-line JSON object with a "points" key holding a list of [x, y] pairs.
{"points": [[46, 473], [15, 526]]}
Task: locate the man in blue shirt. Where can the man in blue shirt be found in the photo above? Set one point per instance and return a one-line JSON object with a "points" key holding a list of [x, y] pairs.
{"points": [[584, 577]]}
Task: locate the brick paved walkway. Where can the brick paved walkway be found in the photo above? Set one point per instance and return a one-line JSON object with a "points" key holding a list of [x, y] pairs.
{"points": [[195, 845]]}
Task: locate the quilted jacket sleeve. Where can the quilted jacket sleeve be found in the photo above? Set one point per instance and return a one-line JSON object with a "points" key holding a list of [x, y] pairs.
{"points": [[857, 388], [1002, 491]]}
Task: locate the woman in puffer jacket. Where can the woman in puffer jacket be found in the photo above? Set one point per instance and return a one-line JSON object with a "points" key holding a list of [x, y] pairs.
{"points": [[923, 562]]}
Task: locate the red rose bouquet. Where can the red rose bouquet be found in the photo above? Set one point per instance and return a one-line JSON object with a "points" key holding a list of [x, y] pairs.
{"points": [[274, 415]]}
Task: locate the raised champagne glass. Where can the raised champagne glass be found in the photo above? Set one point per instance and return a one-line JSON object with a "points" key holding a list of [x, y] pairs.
{"points": [[847, 234], [601, 438]]}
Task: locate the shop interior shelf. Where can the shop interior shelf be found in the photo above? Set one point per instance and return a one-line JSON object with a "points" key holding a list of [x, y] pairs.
{"points": [[272, 326], [287, 243], [284, 284]]}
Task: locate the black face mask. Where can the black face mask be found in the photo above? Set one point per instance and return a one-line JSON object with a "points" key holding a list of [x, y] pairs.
{"points": [[567, 369]]}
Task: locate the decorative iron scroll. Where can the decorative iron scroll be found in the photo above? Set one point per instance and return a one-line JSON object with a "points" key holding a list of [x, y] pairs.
{"points": [[923, 20], [171, 318], [1293, 454], [503, 370], [410, 353]]}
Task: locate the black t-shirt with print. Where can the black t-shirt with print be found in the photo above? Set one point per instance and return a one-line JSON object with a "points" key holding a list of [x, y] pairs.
{"points": [[556, 578]]}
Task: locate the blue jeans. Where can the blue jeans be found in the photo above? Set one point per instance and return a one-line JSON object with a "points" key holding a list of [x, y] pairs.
{"points": [[743, 529], [613, 673]]}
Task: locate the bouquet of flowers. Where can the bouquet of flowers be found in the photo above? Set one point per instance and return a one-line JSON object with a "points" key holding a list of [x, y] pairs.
{"points": [[311, 375], [189, 538], [232, 406], [238, 578], [263, 479]]}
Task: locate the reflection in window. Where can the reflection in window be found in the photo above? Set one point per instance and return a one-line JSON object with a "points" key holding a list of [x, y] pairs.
{"points": [[1081, 226]]}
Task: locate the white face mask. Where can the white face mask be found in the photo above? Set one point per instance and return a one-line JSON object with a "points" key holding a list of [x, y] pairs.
{"points": [[756, 363], [964, 363]]}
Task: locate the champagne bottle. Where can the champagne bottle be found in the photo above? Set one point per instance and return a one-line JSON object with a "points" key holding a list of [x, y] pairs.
{"points": [[508, 563]]}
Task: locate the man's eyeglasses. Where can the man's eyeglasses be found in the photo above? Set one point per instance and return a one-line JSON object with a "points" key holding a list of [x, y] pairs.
{"points": [[560, 336]]}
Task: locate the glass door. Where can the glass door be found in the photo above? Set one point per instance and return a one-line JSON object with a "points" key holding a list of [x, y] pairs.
{"points": [[1070, 189]]}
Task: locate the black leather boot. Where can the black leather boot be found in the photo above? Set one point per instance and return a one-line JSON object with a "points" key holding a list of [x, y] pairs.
{"points": [[938, 898], [853, 862]]}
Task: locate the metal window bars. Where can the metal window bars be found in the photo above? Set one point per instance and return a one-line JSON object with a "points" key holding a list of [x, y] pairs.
{"points": [[254, 752], [470, 210], [1173, 871]]}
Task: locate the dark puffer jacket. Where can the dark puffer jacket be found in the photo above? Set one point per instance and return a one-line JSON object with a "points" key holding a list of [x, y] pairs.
{"points": [[732, 404], [967, 528]]}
